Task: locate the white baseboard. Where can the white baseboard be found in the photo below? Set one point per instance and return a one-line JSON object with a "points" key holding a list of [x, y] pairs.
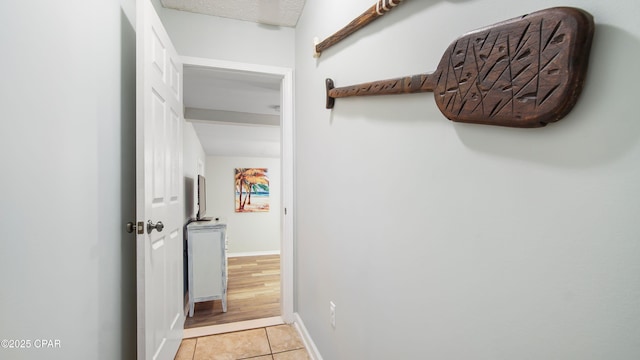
{"points": [[254, 253], [306, 338]]}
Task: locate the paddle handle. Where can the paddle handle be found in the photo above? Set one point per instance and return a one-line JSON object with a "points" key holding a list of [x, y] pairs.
{"points": [[378, 9], [403, 85]]}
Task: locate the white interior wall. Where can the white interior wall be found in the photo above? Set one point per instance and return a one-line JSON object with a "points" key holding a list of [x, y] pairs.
{"points": [[220, 38], [456, 241], [258, 232], [67, 140]]}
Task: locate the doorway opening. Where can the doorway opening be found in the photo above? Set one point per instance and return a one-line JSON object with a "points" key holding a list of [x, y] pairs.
{"points": [[255, 131]]}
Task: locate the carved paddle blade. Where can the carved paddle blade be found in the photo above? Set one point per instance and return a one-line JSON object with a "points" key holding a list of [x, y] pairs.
{"points": [[524, 72]]}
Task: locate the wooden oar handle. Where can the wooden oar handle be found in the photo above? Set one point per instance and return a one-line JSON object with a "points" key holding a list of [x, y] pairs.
{"points": [[404, 85], [374, 12]]}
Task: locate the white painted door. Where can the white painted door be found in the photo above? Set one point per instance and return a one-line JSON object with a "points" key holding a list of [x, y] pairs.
{"points": [[159, 187]]}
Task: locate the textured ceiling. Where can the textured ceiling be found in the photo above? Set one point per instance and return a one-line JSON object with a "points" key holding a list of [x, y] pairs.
{"points": [[272, 12]]}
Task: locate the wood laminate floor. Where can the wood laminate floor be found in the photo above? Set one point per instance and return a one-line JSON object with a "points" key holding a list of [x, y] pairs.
{"points": [[253, 292]]}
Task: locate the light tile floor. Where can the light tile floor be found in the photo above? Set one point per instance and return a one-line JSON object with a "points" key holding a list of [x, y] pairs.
{"points": [[280, 342]]}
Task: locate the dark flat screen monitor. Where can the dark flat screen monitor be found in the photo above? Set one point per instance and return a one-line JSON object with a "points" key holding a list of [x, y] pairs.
{"points": [[202, 199]]}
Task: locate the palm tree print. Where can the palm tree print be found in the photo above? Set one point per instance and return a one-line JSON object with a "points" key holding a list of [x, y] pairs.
{"points": [[252, 182]]}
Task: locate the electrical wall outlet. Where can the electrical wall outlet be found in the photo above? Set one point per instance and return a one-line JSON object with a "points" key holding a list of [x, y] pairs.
{"points": [[332, 314]]}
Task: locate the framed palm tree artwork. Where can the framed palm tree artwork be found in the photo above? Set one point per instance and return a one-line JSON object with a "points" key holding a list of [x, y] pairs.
{"points": [[251, 190]]}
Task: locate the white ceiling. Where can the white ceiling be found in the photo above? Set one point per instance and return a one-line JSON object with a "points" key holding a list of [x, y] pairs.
{"points": [[238, 140], [272, 12], [236, 113], [219, 89]]}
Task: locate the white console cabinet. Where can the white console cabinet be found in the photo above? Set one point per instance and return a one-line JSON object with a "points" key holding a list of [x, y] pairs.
{"points": [[207, 263]]}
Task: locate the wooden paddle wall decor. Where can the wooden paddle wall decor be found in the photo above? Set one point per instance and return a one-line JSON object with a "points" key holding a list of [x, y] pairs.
{"points": [[378, 9], [524, 72]]}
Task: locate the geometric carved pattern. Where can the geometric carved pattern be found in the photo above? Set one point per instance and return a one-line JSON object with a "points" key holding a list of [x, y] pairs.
{"points": [[521, 72], [524, 72]]}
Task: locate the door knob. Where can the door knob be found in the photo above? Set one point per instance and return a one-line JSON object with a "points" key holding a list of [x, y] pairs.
{"points": [[158, 226]]}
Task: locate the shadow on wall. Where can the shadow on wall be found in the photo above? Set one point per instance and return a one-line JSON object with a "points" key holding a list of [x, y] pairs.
{"points": [[601, 127], [127, 321]]}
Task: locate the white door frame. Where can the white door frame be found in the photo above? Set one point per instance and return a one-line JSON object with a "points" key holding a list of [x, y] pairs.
{"points": [[286, 129]]}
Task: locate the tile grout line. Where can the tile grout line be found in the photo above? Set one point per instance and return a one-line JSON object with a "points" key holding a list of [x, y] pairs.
{"points": [[283, 351], [269, 342], [271, 350], [195, 346]]}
